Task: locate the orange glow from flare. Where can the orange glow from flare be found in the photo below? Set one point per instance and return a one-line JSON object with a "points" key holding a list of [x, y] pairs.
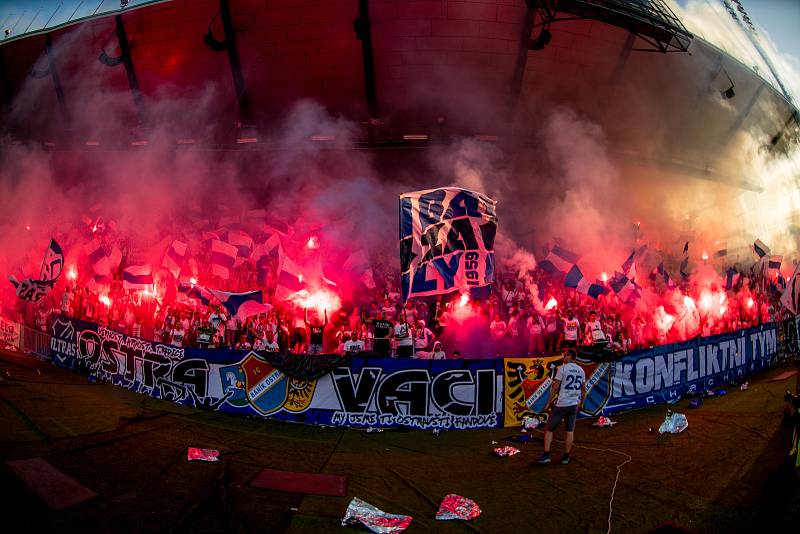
{"points": [[463, 300], [320, 300], [105, 300], [27, 227], [705, 255], [705, 301], [313, 242], [552, 303], [604, 277], [72, 274], [689, 302], [193, 280], [750, 302]]}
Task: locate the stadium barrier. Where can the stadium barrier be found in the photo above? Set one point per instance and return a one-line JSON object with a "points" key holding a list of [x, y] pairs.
{"points": [[358, 391]]}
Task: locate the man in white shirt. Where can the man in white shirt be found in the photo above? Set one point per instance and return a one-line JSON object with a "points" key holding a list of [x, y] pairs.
{"points": [[354, 344], [568, 393], [594, 330], [402, 335], [422, 337], [571, 329]]}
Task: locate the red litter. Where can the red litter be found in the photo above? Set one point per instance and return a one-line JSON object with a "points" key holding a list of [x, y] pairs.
{"points": [[204, 455], [506, 451], [457, 507]]}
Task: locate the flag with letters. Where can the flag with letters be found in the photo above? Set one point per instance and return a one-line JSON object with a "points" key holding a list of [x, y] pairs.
{"points": [[446, 241], [32, 290], [53, 263]]}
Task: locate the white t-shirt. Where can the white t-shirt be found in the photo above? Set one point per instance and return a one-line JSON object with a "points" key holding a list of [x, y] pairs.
{"points": [[572, 378], [596, 330], [177, 337], [354, 346], [498, 329], [535, 326], [571, 329], [423, 339], [402, 335]]}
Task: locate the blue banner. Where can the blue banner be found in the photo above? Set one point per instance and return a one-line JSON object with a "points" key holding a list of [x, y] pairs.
{"points": [[384, 392]]}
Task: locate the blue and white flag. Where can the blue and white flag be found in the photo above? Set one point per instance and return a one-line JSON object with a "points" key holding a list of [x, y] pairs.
{"points": [[446, 241], [559, 260], [626, 289], [243, 243], [242, 305], [263, 253], [665, 277], [774, 264], [53, 263], [194, 291], [137, 277], [684, 270], [98, 258], [173, 259], [760, 248], [223, 258], [290, 280], [576, 280], [731, 278]]}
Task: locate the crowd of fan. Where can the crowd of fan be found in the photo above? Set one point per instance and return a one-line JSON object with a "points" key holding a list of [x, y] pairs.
{"points": [[511, 318]]}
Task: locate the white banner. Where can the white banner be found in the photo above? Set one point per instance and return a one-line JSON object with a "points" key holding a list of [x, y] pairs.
{"points": [[9, 334]]}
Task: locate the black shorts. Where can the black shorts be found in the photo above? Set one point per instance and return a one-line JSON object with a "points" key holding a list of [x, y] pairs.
{"points": [[570, 343], [298, 336], [405, 351], [567, 413], [382, 347]]}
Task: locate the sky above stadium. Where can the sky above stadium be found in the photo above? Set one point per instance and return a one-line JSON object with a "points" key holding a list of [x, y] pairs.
{"points": [[776, 23]]}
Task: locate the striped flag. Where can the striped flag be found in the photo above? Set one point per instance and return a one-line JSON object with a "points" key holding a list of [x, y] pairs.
{"points": [[576, 280], [137, 277], [665, 277], [223, 257], [263, 253], [173, 259], [559, 260], [731, 278], [97, 257], [243, 243], [626, 289], [760, 248], [774, 263], [194, 291], [242, 305], [290, 280]]}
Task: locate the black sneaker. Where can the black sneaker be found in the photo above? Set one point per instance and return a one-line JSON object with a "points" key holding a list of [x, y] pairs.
{"points": [[544, 458], [565, 458]]}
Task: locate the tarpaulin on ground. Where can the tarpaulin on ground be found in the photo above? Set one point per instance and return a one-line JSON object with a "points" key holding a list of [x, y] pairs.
{"points": [[660, 375], [370, 392]]}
